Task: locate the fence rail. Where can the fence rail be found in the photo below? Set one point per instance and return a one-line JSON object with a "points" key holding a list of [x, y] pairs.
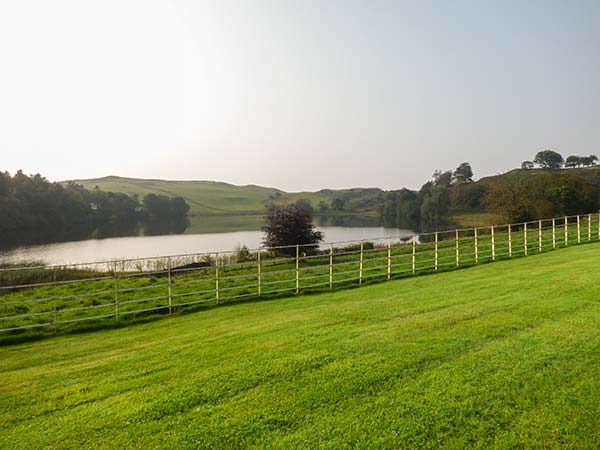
{"points": [[63, 296]]}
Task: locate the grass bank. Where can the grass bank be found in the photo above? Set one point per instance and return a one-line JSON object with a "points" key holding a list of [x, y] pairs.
{"points": [[121, 293], [502, 355]]}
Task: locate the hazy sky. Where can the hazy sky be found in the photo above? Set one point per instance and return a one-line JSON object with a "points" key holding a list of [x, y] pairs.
{"points": [[297, 95]]}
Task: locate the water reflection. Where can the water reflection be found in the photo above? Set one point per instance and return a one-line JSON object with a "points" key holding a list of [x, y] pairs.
{"points": [[348, 221], [159, 228], [68, 234], [93, 250]]}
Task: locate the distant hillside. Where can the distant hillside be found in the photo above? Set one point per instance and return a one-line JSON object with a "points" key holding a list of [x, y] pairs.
{"points": [[590, 174], [217, 198], [468, 210]]}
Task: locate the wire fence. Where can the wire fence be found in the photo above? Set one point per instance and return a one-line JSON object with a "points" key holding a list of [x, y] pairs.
{"points": [[52, 298]]}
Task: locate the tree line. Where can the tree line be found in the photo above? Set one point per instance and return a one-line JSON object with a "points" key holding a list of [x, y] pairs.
{"points": [[34, 210], [549, 159], [428, 208], [512, 197]]}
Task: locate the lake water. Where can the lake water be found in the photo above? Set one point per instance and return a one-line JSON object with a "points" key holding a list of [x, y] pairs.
{"points": [[95, 250]]}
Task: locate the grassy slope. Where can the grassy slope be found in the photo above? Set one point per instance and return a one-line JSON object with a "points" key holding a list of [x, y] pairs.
{"points": [[589, 173], [203, 196], [502, 355], [469, 219], [211, 197]]}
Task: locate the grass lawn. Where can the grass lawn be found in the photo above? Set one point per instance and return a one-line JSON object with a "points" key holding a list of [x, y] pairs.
{"points": [[503, 355], [139, 292]]}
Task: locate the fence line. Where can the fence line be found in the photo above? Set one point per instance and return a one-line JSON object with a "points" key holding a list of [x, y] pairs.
{"points": [[38, 297]]}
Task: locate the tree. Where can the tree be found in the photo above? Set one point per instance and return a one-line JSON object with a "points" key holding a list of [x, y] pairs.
{"points": [[156, 207], [587, 161], [573, 161], [34, 210], [548, 159], [463, 173], [578, 161], [179, 212], [338, 204], [408, 212], [510, 198], [323, 207], [290, 225], [467, 196], [164, 215], [443, 178], [306, 205], [433, 201], [516, 198], [527, 165], [434, 207]]}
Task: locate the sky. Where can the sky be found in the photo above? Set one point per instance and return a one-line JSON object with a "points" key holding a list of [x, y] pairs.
{"points": [[299, 95]]}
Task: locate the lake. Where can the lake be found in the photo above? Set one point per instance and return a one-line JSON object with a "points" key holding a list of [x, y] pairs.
{"points": [[95, 250]]}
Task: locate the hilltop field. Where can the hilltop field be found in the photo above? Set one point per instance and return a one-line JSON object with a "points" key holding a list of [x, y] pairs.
{"points": [[502, 355], [217, 198]]}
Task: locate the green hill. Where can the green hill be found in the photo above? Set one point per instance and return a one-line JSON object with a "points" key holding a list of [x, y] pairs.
{"points": [[503, 355], [223, 199], [212, 197], [591, 174], [467, 206], [208, 197]]}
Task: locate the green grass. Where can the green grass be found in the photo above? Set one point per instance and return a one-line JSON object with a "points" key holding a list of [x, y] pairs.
{"points": [[137, 294], [502, 355], [224, 223], [469, 219], [217, 198], [207, 197]]}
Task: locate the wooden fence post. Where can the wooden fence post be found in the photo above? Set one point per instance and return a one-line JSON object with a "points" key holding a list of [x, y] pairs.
{"points": [[436, 251], [493, 243], [589, 227], [116, 292], [389, 259], [598, 225], [566, 231], [540, 236], [217, 277], [578, 230], [169, 285], [525, 237], [509, 240], [553, 233], [258, 273], [330, 266], [476, 247], [297, 268], [414, 252], [457, 250]]}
